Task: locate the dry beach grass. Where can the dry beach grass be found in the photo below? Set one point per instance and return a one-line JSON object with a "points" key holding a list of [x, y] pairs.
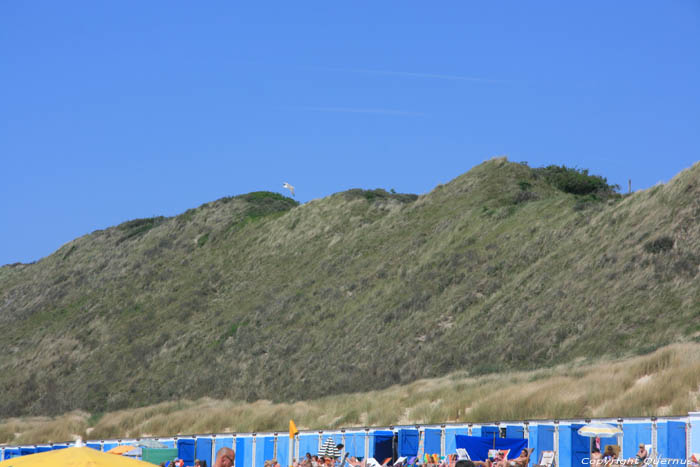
{"points": [[664, 382]]}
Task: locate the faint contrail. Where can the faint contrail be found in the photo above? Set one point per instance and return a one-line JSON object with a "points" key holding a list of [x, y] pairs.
{"points": [[356, 110], [410, 74]]}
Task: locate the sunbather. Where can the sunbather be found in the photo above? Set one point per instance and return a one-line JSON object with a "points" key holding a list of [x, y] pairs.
{"points": [[492, 462], [520, 461], [609, 456], [642, 454], [596, 457]]}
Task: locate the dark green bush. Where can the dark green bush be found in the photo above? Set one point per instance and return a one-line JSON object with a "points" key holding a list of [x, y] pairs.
{"points": [[201, 241], [379, 194], [138, 226], [263, 203], [140, 223], [575, 181], [265, 196], [659, 245], [524, 185]]}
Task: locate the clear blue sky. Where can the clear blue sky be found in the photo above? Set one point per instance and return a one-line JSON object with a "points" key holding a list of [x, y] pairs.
{"points": [[111, 111]]}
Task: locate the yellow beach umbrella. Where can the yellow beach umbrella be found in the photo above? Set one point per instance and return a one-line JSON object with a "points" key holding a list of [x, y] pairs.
{"points": [[123, 449], [73, 457]]}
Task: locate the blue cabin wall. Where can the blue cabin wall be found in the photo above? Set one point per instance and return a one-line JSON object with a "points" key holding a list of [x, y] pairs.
{"points": [[283, 450], [516, 432], [264, 449], [244, 451], [354, 444], [634, 434], [408, 442], [565, 448], [186, 450], [432, 441], [541, 438], [450, 444], [203, 447], [489, 432], [676, 440]]}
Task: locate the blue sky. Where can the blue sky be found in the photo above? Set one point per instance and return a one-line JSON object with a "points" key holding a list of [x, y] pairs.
{"points": [[111, 111]]}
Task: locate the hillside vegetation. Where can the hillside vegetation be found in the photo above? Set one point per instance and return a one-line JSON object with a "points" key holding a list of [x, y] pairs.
{"points": [[636, 386], [255, 297]]}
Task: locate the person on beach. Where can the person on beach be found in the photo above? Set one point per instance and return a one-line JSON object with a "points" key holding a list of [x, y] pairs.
{"points": [[596, 457], [642, 454], [609, 455], [225, 457], [520, 461]]}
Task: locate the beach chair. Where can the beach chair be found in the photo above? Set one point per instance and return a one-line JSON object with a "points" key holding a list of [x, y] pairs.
{"points": [[547, 459], [615, 449], [494, 452], [463, 455]]}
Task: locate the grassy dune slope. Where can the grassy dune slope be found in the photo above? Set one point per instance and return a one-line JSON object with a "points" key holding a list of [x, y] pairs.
{"points": [[254, 297], [665, 382]]}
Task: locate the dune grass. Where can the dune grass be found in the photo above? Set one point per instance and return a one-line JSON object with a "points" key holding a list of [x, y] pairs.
{"points": [[273, 294], [666, 382]]}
